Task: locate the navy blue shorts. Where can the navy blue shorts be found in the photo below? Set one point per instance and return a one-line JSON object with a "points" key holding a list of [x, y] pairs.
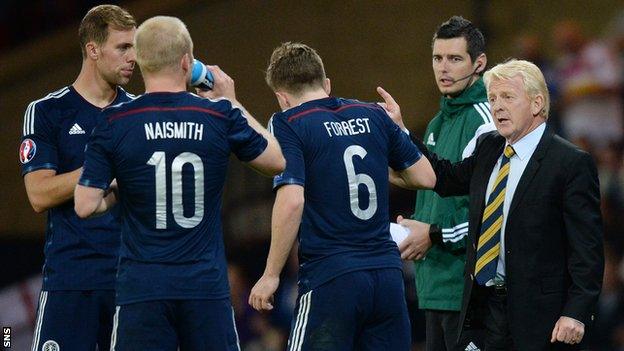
{"points": [[74, 320], [361, 310], [206, 325]]}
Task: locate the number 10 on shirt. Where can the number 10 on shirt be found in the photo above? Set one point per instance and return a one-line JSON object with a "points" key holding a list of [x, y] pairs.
{"points": [[158, 160]]}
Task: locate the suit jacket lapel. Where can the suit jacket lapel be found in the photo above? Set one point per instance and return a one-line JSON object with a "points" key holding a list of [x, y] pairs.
{"points": [[531, 169]]}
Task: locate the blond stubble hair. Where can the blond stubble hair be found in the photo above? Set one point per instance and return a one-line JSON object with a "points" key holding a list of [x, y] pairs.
{"points": [[161, 42]]}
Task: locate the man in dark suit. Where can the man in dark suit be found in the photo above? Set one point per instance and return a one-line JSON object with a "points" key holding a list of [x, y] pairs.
{"points": [[535, 260]]}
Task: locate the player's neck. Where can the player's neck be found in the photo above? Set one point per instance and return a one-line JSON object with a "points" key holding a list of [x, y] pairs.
{"points": [[307, 96], [164, 83], [93, 88]]}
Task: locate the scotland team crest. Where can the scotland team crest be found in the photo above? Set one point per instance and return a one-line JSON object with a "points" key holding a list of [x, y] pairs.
{"points": [[27, 151]]}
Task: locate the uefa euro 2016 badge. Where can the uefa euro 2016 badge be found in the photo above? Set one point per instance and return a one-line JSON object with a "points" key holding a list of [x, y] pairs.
{"points": [[27, 151]]}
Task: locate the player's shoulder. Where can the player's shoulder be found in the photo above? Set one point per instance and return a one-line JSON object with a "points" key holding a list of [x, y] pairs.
{"points": [[355, 103], [55, 99], [46, 110], [332, 105], [119, 107], [123, 106], [219, 107]]}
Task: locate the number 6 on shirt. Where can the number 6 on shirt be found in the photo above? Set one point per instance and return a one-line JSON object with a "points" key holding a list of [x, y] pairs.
{"points": [[355, 179]]}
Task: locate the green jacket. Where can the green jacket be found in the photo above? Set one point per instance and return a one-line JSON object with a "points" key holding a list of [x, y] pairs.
{"points": [[440, 276]]}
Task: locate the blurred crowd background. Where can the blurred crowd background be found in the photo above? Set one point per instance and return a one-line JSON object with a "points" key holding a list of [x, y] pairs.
{"points": [[579, 46]]}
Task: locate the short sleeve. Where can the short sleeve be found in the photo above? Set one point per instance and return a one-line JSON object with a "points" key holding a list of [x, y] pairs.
{"points": [[403, 153], [38, 146], [98, 170], [244, 141], [292, 148]]}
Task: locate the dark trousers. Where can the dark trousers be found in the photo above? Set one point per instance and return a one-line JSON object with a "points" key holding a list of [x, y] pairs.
{"points": [[442, 329], [498, 336]]}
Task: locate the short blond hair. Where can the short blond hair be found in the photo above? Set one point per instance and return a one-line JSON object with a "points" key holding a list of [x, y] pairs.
{"points": [[534, 82], [161, 42], [96, 23]]}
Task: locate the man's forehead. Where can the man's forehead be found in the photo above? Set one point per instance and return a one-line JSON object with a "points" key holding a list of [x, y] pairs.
{"points": [[451, 46], [515, 81], [121, 34]]}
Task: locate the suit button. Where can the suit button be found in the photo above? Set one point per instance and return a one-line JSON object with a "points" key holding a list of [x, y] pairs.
{"points": [[508, 252], [471, 276]]}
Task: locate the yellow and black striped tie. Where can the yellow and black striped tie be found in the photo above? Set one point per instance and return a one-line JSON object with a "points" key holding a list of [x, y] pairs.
{"points": [[489, 239]]}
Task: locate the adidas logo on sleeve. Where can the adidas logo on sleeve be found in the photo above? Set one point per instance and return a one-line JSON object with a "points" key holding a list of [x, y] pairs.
{"points": [[76, 129]]}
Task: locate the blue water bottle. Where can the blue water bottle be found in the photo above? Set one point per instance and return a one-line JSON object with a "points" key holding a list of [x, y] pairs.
{"points": [[201, 77]]}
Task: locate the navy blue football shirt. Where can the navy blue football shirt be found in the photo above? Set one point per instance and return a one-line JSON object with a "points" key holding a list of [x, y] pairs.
{"points": [[169, 153], [79, 254], [339, 150]]}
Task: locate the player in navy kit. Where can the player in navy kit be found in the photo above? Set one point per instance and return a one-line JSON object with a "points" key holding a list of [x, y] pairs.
{"points": [[168, 151], [76, 304], [334, 196]]}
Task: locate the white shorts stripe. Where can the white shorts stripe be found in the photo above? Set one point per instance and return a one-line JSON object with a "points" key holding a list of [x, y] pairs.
{"points": [[305, 322], [43, 298], [296, 340], [235, 331], [115, 326], [295, 331]]}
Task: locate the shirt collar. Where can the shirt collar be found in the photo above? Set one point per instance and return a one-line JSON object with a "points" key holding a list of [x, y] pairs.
{"points": [[527, 144]]}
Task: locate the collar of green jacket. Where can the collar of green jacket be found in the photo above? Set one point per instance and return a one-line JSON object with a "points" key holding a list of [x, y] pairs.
{"points": [[475, 93]]}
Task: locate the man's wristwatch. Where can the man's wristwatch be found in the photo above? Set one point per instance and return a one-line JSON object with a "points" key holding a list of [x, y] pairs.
{"points": [[435, 234]]}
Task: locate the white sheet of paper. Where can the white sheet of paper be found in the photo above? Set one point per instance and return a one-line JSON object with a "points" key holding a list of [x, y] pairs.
{"points": [[398, 232]]}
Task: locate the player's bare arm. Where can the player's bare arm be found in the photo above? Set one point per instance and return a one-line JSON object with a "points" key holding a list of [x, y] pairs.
{"points": [[47, 189], [420, 175], [90, 202], [286, 218]]}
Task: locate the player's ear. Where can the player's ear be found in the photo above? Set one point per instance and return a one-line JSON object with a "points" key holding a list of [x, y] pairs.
{"points": [[185, 63], [91, 49], [327, 86], [283, 100], [481, 63]]}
